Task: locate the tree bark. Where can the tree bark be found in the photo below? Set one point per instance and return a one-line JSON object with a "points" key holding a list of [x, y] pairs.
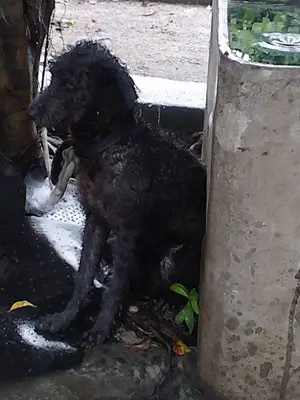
{"points": [[23, 27]]}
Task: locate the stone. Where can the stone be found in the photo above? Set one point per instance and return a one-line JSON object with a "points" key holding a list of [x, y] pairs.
{"points": [[113, 372]]}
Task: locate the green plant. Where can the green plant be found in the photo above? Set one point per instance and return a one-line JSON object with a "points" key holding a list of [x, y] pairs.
{"points": [[191, 308], [246, 25]]}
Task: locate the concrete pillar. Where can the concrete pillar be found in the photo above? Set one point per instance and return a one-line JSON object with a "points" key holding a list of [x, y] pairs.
{"points": [[249, 336]]}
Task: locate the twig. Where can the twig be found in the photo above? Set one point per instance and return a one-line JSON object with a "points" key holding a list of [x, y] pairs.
{"points": [[46, 52], [3, 17], [44, 137], [55, 140], [158, 117], [64, 177], [159, 336], [168, 374], [51, 146]]}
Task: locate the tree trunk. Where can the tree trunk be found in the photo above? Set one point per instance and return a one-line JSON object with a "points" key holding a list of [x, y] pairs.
{"points": [[23, 27]]}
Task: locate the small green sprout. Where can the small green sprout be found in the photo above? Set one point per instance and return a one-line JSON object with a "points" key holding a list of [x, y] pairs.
{"points": [[187, 314]]}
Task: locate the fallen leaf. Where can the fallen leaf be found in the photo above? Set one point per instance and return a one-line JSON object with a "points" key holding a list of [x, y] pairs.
{"points": [[21, 304], [149, 14], [180, 348], [133, 309], [143, 345]]}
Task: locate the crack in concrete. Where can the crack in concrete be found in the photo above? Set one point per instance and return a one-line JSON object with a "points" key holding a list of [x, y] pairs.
{"points": [[290, 342]]}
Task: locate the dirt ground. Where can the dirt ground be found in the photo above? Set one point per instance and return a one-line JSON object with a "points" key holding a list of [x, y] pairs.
{"points": [[154, 39]]}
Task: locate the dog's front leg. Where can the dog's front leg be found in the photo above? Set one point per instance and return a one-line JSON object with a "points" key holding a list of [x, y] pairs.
{"points": [[94, 238], [124, 262]]}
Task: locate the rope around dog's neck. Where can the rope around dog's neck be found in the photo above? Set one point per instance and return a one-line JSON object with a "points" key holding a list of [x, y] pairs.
{"points": [[89, 148]]}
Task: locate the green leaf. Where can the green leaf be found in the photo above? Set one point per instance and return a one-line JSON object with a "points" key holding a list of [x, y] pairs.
{"points": [[247, 24], [249, 14], [279, 27], [265, 20], [180, 317], [179, 289], [256, 27], [279, 17], [194, 301], [294, 29], [271, 27], [189, 318]]}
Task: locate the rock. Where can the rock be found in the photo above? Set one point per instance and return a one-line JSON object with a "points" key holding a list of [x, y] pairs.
{"points": [[113, 372]]}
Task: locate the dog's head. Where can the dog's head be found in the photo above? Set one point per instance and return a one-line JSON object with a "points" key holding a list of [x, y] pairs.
{"points": [[87, 78]]}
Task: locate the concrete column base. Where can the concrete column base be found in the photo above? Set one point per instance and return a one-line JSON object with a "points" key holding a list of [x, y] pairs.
{"points": [[250, 321]]}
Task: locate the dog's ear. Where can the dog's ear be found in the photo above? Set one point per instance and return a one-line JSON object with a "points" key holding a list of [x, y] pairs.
{"points": [[127, 88]]}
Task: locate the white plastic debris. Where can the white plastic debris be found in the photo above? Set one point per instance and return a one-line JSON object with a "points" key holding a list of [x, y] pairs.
{"points": [[63, 225]]}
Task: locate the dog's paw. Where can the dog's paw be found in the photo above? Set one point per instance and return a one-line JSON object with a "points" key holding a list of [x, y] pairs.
{"points": [[93, 338], [52, 323]]}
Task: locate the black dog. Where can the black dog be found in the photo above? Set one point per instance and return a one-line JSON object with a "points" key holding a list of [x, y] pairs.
{"points": [[142, 186]]}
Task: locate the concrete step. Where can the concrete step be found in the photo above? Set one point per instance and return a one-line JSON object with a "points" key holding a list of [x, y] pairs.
{"points": [[174, 105]]}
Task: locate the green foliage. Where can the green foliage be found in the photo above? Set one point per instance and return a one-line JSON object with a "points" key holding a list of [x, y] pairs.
{"points": [[191, 308], [180, 289], [246, 25]]}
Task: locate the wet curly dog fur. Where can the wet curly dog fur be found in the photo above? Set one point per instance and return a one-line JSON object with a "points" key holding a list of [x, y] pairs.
{"points": [[141, 186]]}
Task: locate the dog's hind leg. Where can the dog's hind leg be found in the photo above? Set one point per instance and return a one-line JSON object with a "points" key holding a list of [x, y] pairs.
{"points": [[94, 238], [124, 263]]}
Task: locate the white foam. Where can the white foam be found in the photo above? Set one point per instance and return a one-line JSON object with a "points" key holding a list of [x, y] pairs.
{"points": [[28, 334]]}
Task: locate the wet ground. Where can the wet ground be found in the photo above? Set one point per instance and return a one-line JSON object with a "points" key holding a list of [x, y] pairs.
{"points": [[154, 39]]}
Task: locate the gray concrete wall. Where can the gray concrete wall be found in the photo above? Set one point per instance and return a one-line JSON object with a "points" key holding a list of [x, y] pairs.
{"points": [[250, 323], [190, 2]]}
